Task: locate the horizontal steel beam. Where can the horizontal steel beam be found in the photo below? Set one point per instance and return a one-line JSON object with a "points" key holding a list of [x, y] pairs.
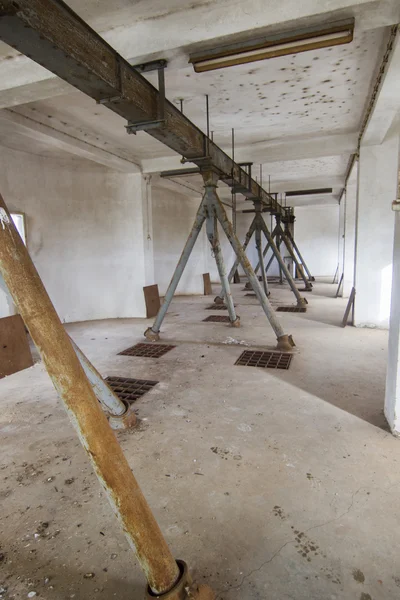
{"points": [[51, 34]]}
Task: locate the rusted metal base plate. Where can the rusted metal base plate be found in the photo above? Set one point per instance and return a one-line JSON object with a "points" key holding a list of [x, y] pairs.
{"points": [[268, 360], [217, 307], [217, 319], [295, 309], [130, 390], [15, 353], [147, 350]]}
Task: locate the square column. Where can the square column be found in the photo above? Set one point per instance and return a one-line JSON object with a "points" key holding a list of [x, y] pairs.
{"points": [[377, 188], [349, 248], [392, 394]]}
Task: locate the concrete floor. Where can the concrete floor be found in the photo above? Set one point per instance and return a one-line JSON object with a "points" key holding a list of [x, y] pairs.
{"points": [[270, 484]]}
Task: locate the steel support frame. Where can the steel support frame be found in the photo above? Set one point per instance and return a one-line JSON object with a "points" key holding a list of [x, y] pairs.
{"points": [[258, 227], [285, 239], [301, 259], [164, 574], [301, 302], [211, 210]]}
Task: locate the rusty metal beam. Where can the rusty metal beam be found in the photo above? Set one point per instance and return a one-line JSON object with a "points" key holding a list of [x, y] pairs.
{"points": [[51, 34]]}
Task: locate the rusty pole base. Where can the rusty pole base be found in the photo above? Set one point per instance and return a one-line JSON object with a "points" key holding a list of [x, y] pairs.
{"points": [[311, 279], [236, 322], [218, 300], [184, 589], [152, 336], [285, 343], [302, 303], [127, 420]]}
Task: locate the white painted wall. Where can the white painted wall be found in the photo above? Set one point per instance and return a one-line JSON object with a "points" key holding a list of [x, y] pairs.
{"points": [[173, 217], [316, 231], [377, 188], [84, 233]]}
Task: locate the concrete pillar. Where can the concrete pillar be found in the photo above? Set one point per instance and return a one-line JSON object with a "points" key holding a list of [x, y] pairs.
{"points": [[349, 245], [341, 236], [392, 395], [377, 188]]}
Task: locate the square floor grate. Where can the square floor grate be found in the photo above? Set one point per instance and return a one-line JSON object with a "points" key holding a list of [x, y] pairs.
{"points": [[217, 319], [269, 360], [217, 307], [147, 350], [291, 309], [130, 389]]}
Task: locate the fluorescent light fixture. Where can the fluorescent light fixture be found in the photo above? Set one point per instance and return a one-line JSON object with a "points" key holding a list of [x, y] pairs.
{"points": [[272, 46]]}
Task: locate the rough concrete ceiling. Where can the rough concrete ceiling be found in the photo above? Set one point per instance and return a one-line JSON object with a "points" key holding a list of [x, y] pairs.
{"points": [[308, 94], [313, 92]]}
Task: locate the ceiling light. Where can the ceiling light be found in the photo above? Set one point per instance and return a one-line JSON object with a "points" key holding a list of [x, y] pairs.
{"points": [[291, 42], [317, 191]]}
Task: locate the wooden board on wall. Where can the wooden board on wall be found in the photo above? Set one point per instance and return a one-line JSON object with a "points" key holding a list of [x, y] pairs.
{"points": [[15, 353], [152, 299], [207, 284]]}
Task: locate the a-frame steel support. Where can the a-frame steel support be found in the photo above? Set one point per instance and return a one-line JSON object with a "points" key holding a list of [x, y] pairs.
{"points": [[286, 237], [211, 211], [258, 227]]}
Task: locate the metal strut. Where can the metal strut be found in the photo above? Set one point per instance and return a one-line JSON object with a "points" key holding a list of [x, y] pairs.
{"points": [[122, 416], [211, 209]]}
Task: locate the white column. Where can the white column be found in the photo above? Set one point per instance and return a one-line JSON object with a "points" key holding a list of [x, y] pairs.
{"points": [[341, 236], [392, 395], [377, 188], [350, 232]]}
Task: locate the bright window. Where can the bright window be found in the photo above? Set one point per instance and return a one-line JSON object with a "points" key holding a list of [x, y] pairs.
{"points": [[19, 222]]}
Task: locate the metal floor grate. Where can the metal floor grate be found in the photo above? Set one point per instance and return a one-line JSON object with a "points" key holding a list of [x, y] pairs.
{"points": [[217, 319], [130, 390], [269, 360], [147, 350], [217, 307], [291, 309]]}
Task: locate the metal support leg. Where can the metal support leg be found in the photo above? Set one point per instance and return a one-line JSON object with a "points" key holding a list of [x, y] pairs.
{"points": [[109, 463], [212, 234], [152, 333], [286, 241], [278, 245], [267, 247], [219, 299], [300, 301], [269, 262], [310, 277], [121, 416], [261, 261], [285, 341]]}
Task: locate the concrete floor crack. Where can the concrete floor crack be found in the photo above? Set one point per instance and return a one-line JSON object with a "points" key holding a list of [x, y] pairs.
{"points": [[236, 587]]}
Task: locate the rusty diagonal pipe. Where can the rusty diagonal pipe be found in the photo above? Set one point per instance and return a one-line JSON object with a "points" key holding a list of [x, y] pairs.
{"points": [[95, 434]]}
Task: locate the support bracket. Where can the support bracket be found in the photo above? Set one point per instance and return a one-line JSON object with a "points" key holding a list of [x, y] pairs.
{"points": [[135, 126]]}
